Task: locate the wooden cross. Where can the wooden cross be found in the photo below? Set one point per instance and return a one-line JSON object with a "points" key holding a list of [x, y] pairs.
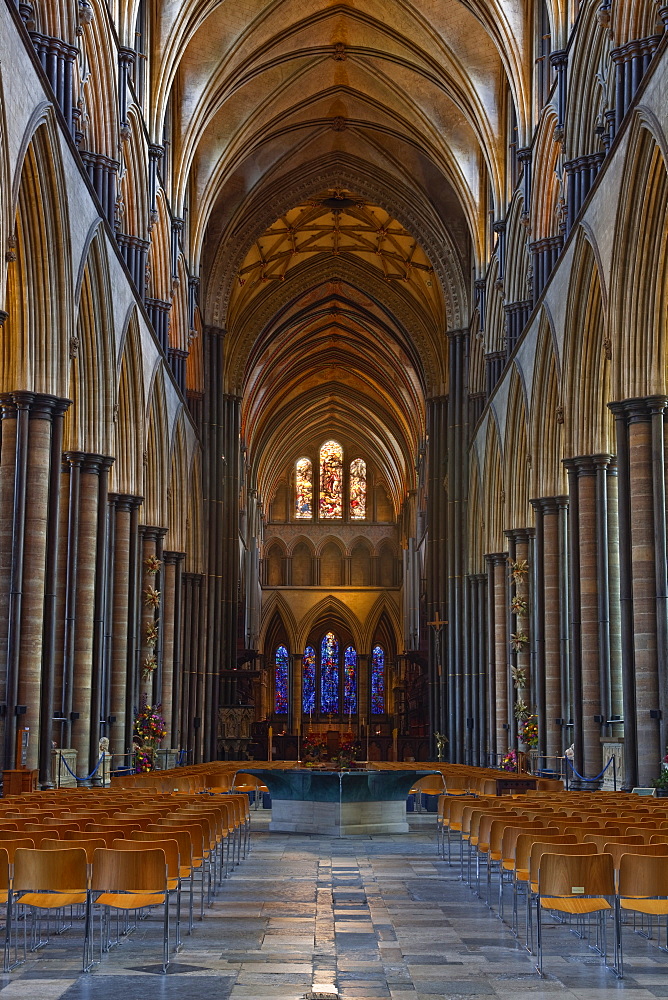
{"points": [[437, 624]]}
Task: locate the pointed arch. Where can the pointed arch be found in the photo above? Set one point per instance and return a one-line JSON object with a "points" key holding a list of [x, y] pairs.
{"points": [[494, 509], [330, 613], [276, 608], [179, 490], [517, 260], [37, 332], [641, 302], [127, 473], [516, 472], [157, 455], [475, 522], [99, 89], [547, 473], [588, 422], [89, 422]]}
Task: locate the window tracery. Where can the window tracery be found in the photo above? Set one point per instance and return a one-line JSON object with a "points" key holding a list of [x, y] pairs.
{"points": [[281, 682], [358, 489], [378, 681], [331, 480]]}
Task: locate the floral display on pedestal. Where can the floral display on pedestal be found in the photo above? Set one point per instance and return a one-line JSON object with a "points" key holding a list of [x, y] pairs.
{"points": [[149, 730]]}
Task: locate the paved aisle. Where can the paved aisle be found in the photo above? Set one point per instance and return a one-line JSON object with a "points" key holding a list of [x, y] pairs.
{"points": [[376, 917]]}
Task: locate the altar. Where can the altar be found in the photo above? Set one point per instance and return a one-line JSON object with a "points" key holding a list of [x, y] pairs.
{"points": [[338, 803]]}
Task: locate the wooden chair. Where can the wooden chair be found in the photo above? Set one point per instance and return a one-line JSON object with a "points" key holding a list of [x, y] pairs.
{"points": [[130, 880], [108, 836], [89, 845], [521, 871], [642, 888], [538, 848], [200, 853], [186, 866], [601, 839], [171, 849], [45, 880], [575, 885]]}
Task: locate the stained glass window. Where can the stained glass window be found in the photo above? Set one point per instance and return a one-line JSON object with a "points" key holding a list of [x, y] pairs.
{"points": [[331, 480], [357, 489], [308, 680], [304, 488], [281, 682], [350, 681], [329, 674], [378, 681]]}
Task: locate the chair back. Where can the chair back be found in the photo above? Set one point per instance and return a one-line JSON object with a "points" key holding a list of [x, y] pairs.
{"points": [[619, 851], [95, 833], [89, 845], [576, 875], [601, 839], [511, 835], [182, 838], [539, 848], [192, 830], [129, 870], [643, 875], [525, 842], [61, 870], [169, 846]]}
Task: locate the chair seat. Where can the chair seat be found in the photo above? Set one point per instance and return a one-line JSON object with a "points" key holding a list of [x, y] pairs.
{"points": [[49, 900], [574, 904], [653, 907], [130, 900]]}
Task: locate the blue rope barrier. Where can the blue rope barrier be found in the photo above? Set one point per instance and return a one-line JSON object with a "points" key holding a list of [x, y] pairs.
{"points": [[581, 777], [89, 776]]}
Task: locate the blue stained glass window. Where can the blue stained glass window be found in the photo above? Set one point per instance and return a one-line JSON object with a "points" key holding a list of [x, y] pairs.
{"points": [[308, 680], [329, 674], [378, 681], [350, 681], [281, 682]]}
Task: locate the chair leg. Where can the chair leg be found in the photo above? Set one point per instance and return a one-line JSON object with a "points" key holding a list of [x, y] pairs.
{"points": [[539, 937], [165, 941]]}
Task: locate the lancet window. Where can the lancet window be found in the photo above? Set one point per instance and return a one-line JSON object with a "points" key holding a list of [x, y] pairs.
{"points": [[304, 489], [331, 480], [378, 681], [327, 486], [308, 681], [330, 678], [350, 681], [329, 675], [281, 681], [358, 489]]}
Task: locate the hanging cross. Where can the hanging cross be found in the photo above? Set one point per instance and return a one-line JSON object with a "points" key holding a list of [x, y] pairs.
{"points": [[437, 625]]}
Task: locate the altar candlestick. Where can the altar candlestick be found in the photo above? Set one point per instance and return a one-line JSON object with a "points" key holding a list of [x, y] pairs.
{"points": [[269, 744]]}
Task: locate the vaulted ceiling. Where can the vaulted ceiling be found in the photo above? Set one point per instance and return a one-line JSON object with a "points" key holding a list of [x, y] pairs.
{"points": [[337, 162]]}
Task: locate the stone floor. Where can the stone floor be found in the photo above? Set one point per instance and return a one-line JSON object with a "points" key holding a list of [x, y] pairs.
{"points": [[372, 917]]}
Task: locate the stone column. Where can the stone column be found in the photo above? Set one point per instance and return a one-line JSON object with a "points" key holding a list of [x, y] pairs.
{"points": [[150, 614], [171, 614], [436, 568], [25, 492], [590, 603], [87, 518], [498, 638], [641, 438], [456, 634], [549, 623], [122, 634], [520, 539]]}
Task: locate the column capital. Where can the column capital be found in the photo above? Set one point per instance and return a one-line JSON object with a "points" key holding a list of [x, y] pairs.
{"points": [[587, 465], [520, 534], [87, 462], [478, 577], [125, 501], [40, 405], [496, 558], [639, 409], [150, 532], [454, 334], [171, 558], [549, 505], [215, 332]]}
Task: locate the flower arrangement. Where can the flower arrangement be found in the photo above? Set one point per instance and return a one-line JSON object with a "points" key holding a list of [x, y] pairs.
{"points": [[518, 607], [349, 751], [518, 640], [521, 710], [528, 732], [509, 760], [152, 597], [518, 569], [143, 760], [314, 748], [519, 676], [149, 727], [152, 565], [148, 666], [152, 631]]}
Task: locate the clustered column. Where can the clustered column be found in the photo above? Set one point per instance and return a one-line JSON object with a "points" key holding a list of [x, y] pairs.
{"points": [[642, 443], [497, 632]]}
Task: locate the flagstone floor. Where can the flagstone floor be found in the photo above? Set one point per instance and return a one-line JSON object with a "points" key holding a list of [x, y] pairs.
{"points": [[377, 918]]}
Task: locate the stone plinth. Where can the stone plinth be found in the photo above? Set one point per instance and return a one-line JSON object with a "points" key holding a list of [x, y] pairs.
{"points": [[613, 748], [60, 776], [339, 803]]}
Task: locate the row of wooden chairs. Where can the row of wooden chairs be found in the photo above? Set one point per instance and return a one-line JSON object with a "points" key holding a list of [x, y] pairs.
{"points": [[499, 834], [201, 838]]}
